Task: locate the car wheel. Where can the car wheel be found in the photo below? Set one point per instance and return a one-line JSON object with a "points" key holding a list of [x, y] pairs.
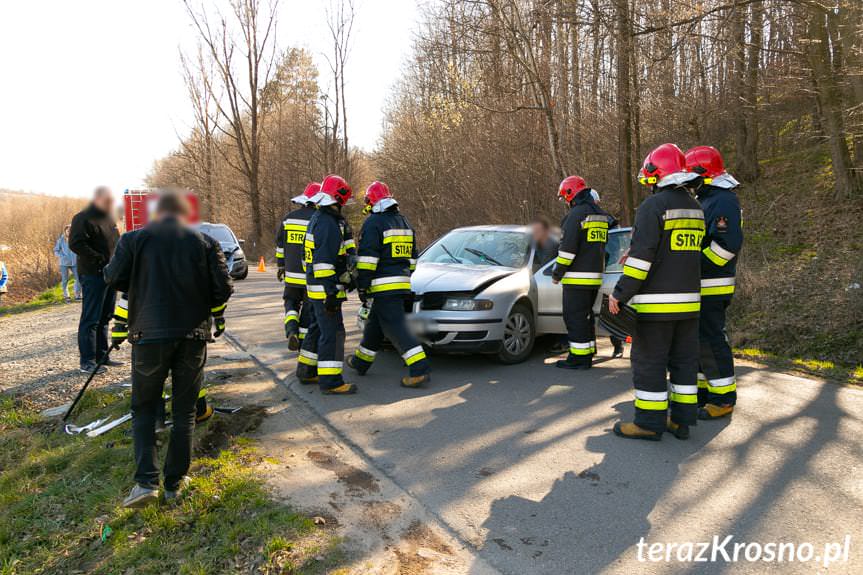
{"points": [[519, 334]]}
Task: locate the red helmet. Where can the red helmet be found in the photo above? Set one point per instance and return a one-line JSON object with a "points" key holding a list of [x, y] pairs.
{"points": [[311, 190], [663, 161], [706, 161], [570, 187], [376, 192], [336, 189]]}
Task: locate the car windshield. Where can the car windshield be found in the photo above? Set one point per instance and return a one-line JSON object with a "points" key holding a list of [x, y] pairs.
{"points": [[617, 246], [480, 247], [221, 234]]}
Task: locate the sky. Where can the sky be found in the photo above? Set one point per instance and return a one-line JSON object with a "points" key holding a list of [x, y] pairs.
{"points": [[92, 91]]}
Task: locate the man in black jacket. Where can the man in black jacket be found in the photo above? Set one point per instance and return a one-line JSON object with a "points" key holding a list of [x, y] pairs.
{"points": [[176, 280], [92, 237]]}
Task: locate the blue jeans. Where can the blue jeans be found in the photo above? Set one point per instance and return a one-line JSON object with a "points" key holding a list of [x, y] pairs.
{"points": [[96, 311], [67, 272]]}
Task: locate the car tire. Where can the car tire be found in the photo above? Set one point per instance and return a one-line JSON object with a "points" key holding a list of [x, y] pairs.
{"points": [[519, 335]]}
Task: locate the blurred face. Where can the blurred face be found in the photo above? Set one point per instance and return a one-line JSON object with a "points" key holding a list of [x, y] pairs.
{"points": [[540, 232], [103, 199]]}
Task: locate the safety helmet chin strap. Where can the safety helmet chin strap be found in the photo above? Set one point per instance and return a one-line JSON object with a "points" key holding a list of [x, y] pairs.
{"points": [[384, 205]]}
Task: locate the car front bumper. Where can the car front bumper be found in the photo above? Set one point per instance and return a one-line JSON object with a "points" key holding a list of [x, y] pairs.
{"points": [[239, 269]]}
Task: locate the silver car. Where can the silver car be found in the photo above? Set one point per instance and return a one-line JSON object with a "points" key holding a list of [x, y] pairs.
{"points": [[488, 289]]}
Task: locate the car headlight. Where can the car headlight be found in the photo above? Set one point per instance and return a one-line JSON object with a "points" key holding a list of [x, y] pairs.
{"points": [[239, 255], [466, 304]]}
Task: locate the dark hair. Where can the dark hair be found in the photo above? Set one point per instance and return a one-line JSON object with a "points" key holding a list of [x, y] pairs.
{"points": [[173, 204], [543, 221]]}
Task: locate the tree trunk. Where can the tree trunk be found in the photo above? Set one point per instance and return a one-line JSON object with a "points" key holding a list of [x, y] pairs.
{"points": [[624, 108]]}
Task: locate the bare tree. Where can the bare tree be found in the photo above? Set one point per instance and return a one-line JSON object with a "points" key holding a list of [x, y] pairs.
{"points": [[340, 21], [240, 46]]}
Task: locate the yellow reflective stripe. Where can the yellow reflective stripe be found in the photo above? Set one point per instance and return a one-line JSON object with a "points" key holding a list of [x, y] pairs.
{"points": [[391, 239], [634, 272], [295, 228], [415, 358], [389, 287], [349, 244], [218, 308], [202, 393], [329, 370], [651, 405], [723, 389], [578, 351], [119, 334], [667, 307], [684, 397], [714, 257], [366, 266], [586, 225], [307, 360], [684, 223], [324, 273], [364, 356], [717, 290], [120, 312], [563, 261], [295, 281], [581, 281], [280, 255]]}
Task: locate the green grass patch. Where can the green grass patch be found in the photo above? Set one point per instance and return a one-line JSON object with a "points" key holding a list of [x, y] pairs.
{"points": [[61, 497], [48, 297], [818, 367]]}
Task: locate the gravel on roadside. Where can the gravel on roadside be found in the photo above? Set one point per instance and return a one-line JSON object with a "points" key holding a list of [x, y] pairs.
{"points": [[39, 357]]}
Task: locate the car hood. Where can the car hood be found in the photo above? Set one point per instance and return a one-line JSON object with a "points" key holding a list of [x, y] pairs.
{"points": [[437, 277], [228, 247]]}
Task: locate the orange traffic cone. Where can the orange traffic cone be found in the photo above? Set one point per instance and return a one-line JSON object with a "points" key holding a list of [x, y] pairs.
{"points": [[262, 267]]}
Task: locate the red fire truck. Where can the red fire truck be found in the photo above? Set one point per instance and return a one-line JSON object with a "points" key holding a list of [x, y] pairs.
{"points": [[139, 204]]}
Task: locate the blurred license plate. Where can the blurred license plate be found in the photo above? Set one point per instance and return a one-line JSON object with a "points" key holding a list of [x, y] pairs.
{"points": [[419, 326]]}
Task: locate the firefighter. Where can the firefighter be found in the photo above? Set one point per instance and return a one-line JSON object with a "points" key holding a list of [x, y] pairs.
{"points": [[579, 264], [291, 269], [326, 250], [386, 258], [661, 280], [715, 189]]}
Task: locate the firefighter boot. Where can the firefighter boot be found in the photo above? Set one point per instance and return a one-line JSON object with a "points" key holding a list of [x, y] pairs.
{"points": [[416, 380], [571, 363], [343, 389], [632, 431], [293, 335], [307, 374], [711, 411], [678, 430], [356, 364]]}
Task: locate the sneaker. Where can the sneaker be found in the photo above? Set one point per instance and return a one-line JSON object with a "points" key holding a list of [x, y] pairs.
{"points": [[90, 366], [618, 349], [140, 497], [115, 363], [172, 495]]}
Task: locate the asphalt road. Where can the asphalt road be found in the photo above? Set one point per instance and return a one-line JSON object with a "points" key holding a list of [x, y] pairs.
{"points": [[519, 461]]}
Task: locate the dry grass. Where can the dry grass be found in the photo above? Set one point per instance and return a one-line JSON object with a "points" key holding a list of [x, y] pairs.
{"points": [[29, 226]]}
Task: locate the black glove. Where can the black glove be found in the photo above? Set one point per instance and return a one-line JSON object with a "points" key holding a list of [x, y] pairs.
{"points": [[364, 296], [280, 274], [219, 320], [332, 304], [119, 333]]}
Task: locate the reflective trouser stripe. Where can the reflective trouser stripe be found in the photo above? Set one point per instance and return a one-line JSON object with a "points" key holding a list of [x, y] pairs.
{"points": [[702, 381], [582, 278], [365, 354], [722, 386], [717, 286], [579, 348], [119, 334], [651, 400], [684, 393], [218, 308], [303, 332], [414, 355], [280, 252], [202, 393], [295, 278], [329, 367], [308, 357], [291, 315]]}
